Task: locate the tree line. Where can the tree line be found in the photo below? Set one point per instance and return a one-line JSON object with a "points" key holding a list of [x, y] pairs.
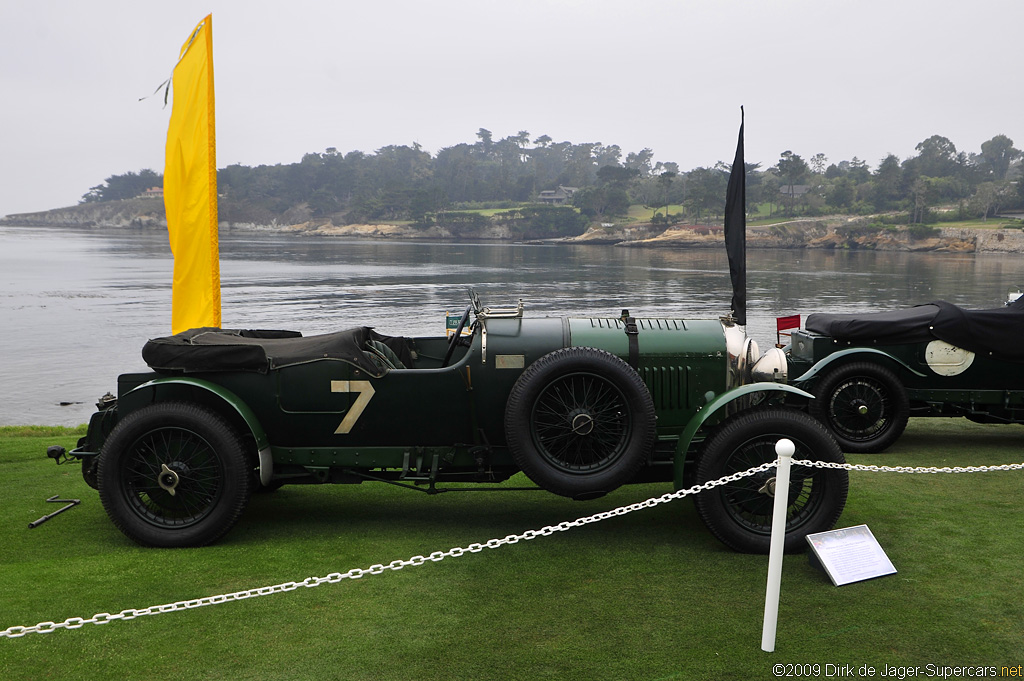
{"points": [[406, 183]]}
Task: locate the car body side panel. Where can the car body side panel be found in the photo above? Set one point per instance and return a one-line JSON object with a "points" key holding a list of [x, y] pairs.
{"points": [[679, 360], [326, 413], [984, 384], [332, 404], [512, 344]]}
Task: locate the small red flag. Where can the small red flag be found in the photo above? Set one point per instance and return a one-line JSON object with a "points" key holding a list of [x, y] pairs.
{"points": [[790, 322]]}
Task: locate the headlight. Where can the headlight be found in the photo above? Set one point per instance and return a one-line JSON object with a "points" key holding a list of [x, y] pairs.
{"points": [[771, 367], [743, 355]]}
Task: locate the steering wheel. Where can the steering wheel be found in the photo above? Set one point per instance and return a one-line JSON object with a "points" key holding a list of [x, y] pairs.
{"points": [[454, 342]]}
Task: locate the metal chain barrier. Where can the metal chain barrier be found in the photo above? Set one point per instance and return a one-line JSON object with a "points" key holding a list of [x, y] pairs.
{"points": [[357, 573], [437, 556], [909, 469]]}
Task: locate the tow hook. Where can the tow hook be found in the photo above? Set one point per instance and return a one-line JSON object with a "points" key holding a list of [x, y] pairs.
{"points": [[168, 479], [54, 500]]}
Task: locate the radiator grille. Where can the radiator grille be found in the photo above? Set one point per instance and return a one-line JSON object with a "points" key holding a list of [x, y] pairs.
{"points": [[667, 385]]}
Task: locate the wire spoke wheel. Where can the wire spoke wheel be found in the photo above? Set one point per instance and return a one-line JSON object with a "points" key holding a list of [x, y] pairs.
{"points": [[194, 488], [859, 409], [863, 405], [174, 474], [740, 513], [751, 504], [580, 422]]}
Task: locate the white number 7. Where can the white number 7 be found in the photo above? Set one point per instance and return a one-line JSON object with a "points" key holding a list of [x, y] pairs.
{"points": [[365, 391]]}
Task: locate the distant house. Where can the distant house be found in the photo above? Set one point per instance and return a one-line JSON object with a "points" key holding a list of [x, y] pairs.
{"points": [[794, 190], [153, 193], [557, 197]]}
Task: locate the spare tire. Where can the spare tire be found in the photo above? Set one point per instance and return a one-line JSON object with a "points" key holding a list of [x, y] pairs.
{"points": [[580, 422]]}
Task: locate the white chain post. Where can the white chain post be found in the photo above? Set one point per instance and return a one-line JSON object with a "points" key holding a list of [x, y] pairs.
{"points": [[784, 448]]}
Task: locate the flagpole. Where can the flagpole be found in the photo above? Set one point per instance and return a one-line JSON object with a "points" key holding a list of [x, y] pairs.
{"points": [[190, 186], [736, 231]]}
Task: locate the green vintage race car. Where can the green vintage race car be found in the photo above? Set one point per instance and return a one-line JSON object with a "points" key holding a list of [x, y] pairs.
{"points": [[871, 371], [580, 405]]}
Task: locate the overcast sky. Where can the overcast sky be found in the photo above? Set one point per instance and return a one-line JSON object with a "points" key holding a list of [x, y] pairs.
{"points": [[844, 78]]}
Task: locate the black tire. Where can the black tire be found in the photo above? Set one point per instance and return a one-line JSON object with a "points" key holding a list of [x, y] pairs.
{"points": [[740, 513], [580, 422], [863, 405], [184, 447]]}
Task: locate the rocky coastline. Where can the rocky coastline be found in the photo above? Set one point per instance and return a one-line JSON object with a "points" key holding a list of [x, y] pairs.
{"points": [[834, 232], [842, 234]]}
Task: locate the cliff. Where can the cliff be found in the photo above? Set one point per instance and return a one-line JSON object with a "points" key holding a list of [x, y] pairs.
{"points": [[149, 213], [837, 233], [140, 212], [828, 233]]}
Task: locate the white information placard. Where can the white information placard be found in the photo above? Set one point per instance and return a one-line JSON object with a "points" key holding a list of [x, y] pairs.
{"points": [[851, 554]]}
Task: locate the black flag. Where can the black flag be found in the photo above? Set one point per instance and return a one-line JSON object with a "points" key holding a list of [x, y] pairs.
{"points": [[736, 231]]}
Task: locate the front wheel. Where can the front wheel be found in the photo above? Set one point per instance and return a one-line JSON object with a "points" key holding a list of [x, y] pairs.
{"points": [[740, 513], [863, 405], [174, 474]]}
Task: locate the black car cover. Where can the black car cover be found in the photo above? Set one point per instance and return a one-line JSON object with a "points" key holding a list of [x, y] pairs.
{"points": [[212, 349], [998, 332]]}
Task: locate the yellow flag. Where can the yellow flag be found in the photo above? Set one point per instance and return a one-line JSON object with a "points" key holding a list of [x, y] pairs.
{"points": [[190, 186]]}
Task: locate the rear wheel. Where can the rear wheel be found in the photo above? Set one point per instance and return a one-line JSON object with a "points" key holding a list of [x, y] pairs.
{"points": [[580, 422], [740, 513], [863, 405], [173, 475]]}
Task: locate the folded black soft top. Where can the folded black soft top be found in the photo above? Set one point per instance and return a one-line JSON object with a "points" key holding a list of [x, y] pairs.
{"points": [[997, 332], [212, 349]]}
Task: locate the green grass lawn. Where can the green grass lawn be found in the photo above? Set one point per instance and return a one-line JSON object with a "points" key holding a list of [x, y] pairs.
{"points": [[758, 216], [649, 595], [978, 223], [641, 213], [486, 212]]}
